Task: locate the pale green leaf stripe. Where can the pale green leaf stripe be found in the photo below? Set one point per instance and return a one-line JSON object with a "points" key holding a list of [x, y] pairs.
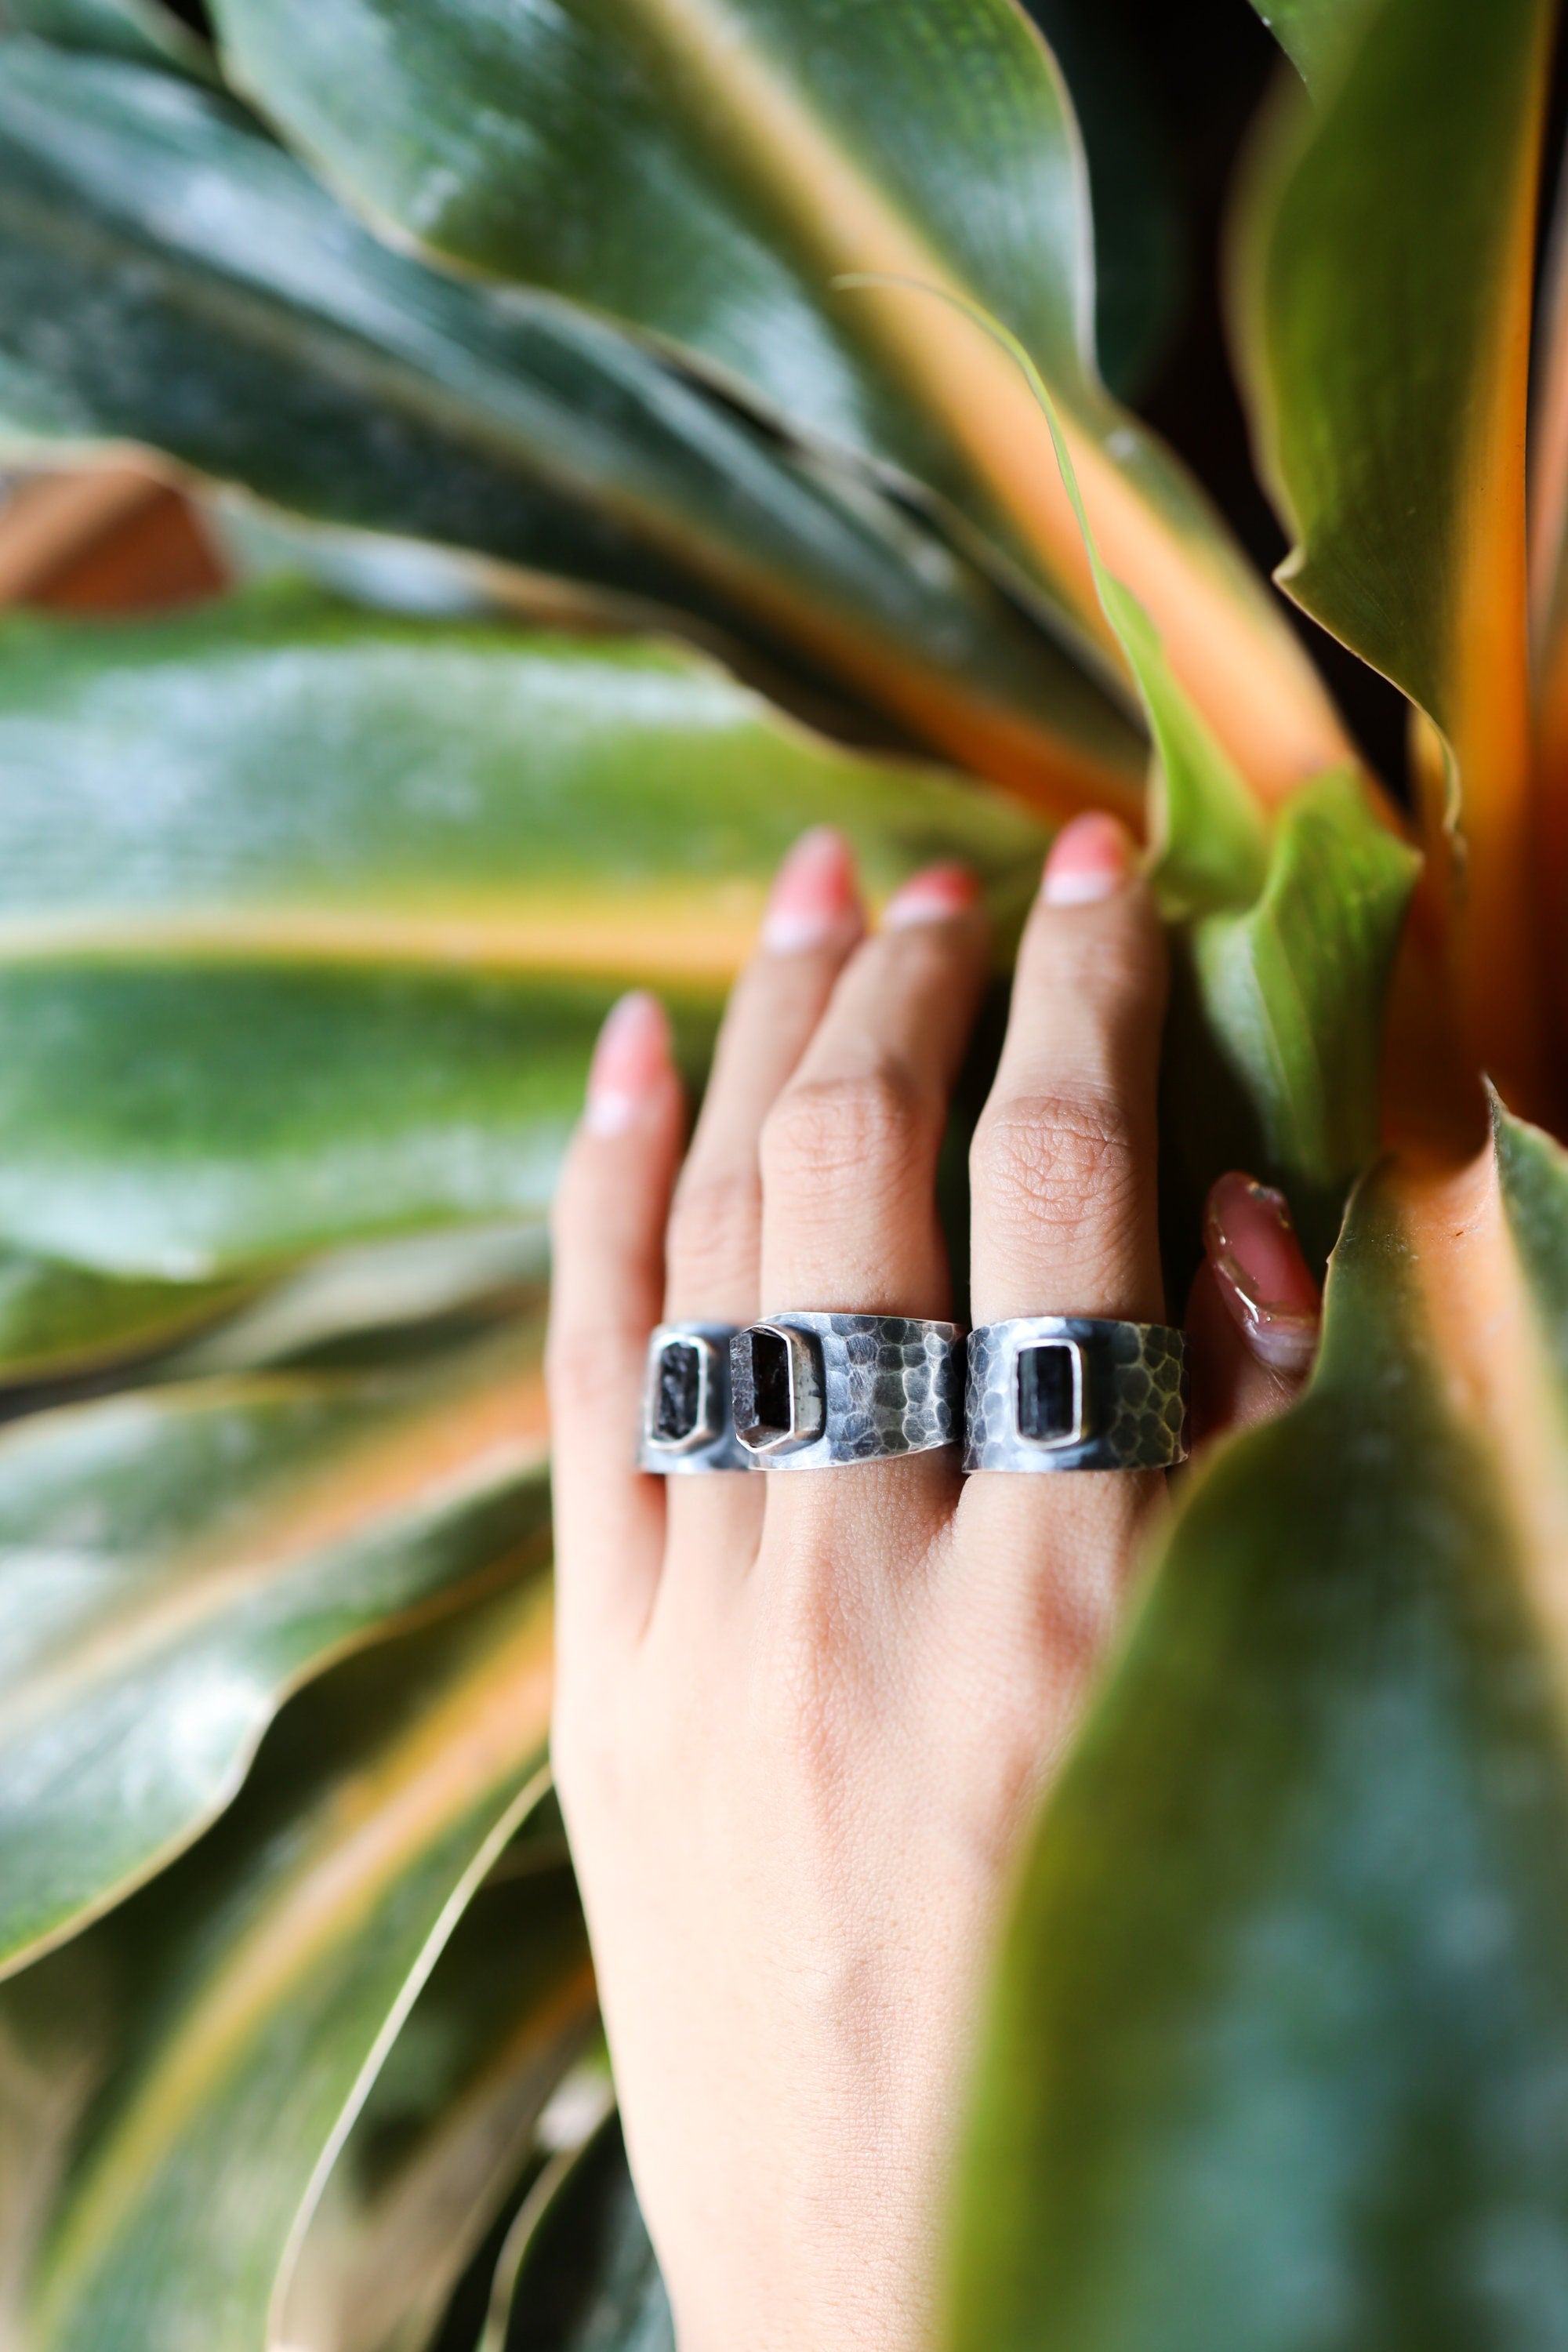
{"points": [[173, 1561], [1274, 2059], [247, 2001], [169, 276], [447, 2125]]}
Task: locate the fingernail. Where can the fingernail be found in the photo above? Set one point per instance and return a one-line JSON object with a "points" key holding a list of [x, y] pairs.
{"points": [[812, 893], [933, 896], [1090, 858], [1262, 1275], [630, 1058]]}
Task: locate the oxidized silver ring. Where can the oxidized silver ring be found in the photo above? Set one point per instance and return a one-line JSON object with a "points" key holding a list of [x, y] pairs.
{"points": [[816, 1392], [686, 1420], [1074, 1392]]}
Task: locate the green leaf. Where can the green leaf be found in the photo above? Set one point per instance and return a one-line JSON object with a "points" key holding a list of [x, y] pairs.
{"points": [[449, 2120], [1140, 249], [146, 30], [1315, 34], [1276, 2054], [1383, 318], [1292, 989], [708, 173], [56, 1319], [248, 2000], [374, 852], [587, 2280], [173, 1561], [168, 276]]}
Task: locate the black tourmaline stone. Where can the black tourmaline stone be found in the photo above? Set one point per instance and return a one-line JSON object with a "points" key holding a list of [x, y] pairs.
{"points": [[1045, 1392], [680, 1388], [759, 1380]]}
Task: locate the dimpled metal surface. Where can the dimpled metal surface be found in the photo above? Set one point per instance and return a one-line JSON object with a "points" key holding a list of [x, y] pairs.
{"points": [[891, 1384], [721, 1450], [1134, 1402]]}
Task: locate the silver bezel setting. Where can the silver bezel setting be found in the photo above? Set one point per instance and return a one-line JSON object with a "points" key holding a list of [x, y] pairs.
{"points": [[1023, 1342], [807, 1409], [706, 1428]]}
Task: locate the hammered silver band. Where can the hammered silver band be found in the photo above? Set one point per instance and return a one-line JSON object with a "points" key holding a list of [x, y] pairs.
{"points": [[687, 1425], [818, 1391], [1049, 1393]]}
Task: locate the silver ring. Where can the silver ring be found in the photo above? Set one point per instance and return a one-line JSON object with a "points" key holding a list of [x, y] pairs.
{"points": [[816, 1391], [686, 1420], [1073, 1393]]}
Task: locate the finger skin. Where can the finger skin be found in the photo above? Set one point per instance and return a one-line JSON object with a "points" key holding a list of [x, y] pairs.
{"points": [[1063, 1179], [714, 1242], [849, 1149], [1063, 1162], [606, 1293]]}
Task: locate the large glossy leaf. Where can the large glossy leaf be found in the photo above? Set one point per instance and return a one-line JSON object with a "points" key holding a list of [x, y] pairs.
{"points": [[147, 30], [173, 1560], [1385, 320], [169, 276], [1278, 2056], [449, 2120], [306, 921], [587, 2279], [710, 170], [240, 2009]]}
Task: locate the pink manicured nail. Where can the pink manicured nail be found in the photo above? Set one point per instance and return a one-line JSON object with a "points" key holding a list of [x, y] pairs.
{"points": [[630, 1058], [933, 896], [1262, 1275], [1090, 858], [813, 895]]}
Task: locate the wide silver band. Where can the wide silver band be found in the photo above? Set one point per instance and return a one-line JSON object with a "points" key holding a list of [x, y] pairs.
{"points": [[816, 1391], [686, 1420], [1072, 1392]]}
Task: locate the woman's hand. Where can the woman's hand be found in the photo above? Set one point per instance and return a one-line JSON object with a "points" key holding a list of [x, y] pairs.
{"points": [[803, 1721]]}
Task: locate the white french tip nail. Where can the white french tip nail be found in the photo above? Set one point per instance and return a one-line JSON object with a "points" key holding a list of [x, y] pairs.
{"points": [[611, 1113], [1084, 889], [787, 934]]}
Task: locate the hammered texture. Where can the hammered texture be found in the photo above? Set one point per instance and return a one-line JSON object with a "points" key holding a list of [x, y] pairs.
{"points": [[1135, 1396], [891, 1384]]}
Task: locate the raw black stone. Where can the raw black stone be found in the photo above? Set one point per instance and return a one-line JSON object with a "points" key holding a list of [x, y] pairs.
{"points": [[1046, 1411], [680, 1388], [761, 1384]]}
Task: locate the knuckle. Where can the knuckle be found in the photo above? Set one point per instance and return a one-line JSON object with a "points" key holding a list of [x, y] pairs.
{"points": [[873, 1124], [1056, 1157], [715, 1226]]}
